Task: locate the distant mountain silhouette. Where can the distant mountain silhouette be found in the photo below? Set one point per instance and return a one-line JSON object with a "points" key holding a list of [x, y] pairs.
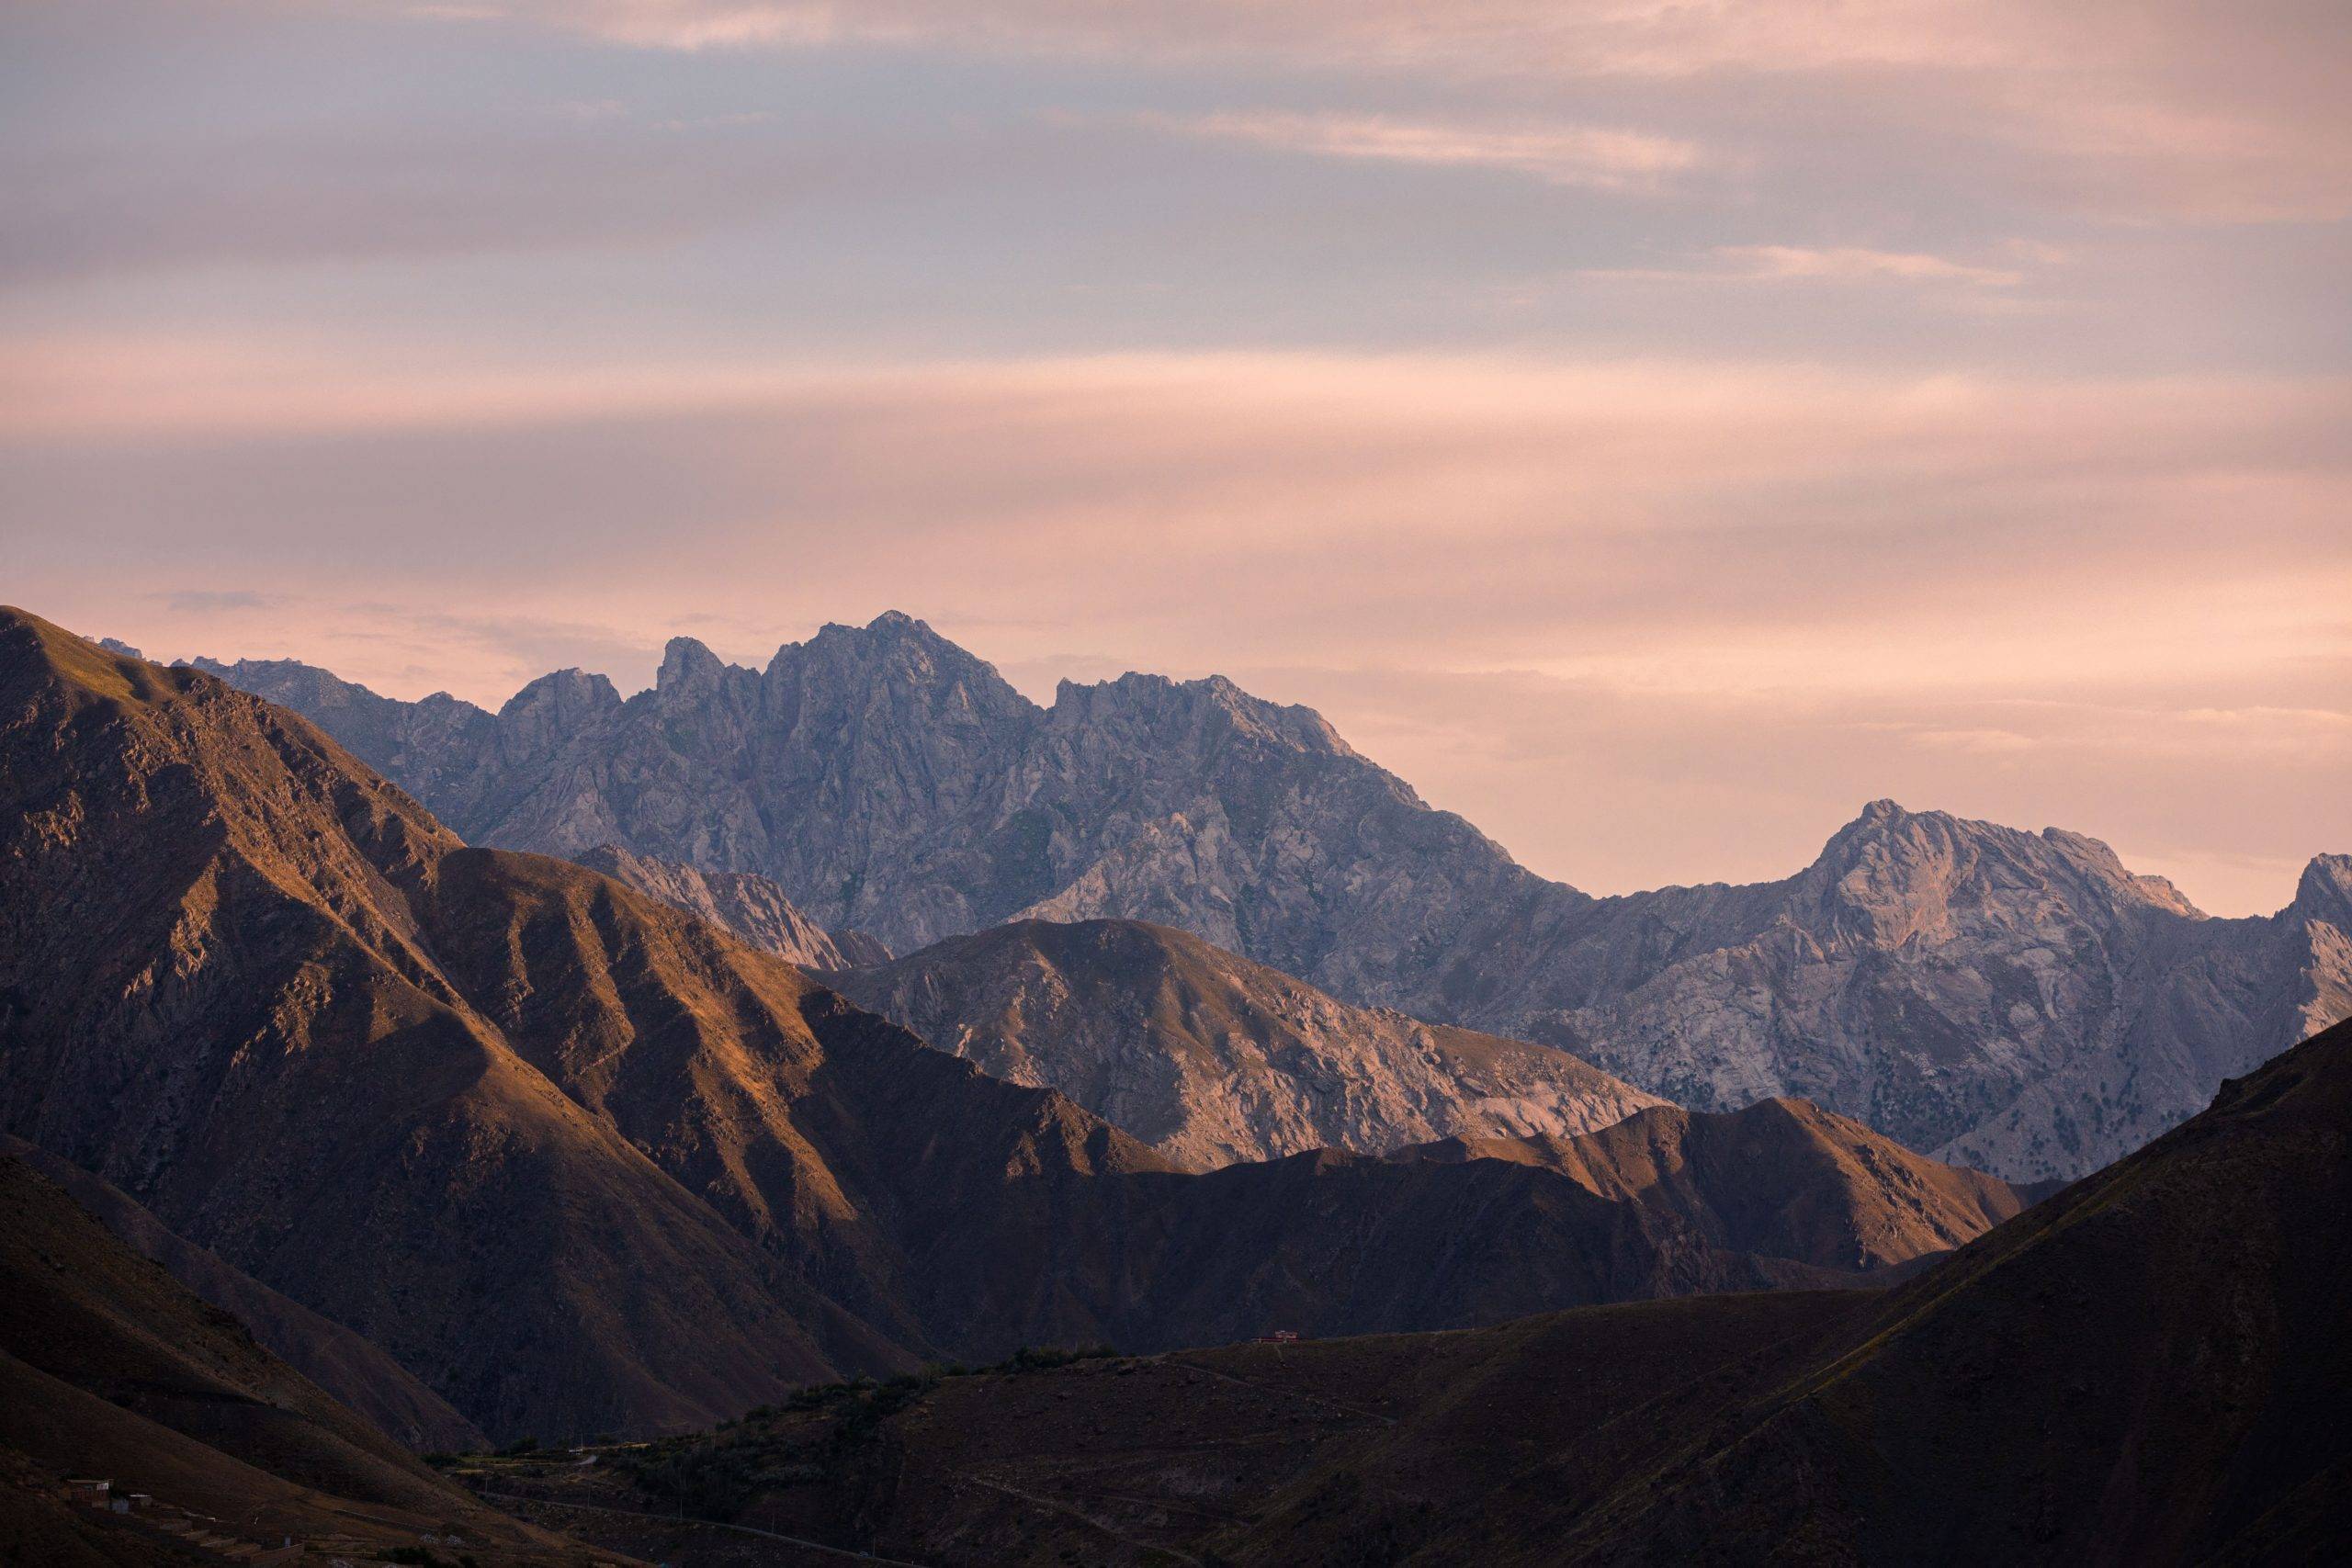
{"points": [[2017, 1001]]}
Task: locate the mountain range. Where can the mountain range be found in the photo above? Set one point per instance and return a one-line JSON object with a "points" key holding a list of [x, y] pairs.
{"points": [[2149, 1368], [2014, 1000], [579, 1161]]}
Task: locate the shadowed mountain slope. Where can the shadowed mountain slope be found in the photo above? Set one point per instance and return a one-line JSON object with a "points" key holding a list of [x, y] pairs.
{"points": [[1212, 1059], [533, 1134], [1781, 1177], [111, 1369], [2151, 1368], [2016, 1001], [347, 1368]]}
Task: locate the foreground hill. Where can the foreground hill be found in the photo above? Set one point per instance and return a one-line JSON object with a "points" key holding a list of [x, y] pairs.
{"points": [[581, 1162], [111, 1369], [1212, 1059], [2151, 1368], [2017, 1001], [348, 1368]]}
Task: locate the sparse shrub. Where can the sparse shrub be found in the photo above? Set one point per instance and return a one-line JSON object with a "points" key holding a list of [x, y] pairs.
{"points": [[1030, 1359]]}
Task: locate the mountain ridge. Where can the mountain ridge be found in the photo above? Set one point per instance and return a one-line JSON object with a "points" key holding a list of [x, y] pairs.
{"points": [[110, 1368], [2020, 1002]]}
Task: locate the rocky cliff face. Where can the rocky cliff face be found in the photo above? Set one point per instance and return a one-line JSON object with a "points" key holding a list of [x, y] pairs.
{"points": [[1212, 1059], [2019, 1000]]}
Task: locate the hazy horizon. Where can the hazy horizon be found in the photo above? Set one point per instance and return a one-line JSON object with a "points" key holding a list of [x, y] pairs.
{"points": [[1651, 430]]}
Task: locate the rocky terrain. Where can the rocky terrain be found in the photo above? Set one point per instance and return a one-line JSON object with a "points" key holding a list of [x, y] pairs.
{"points": [[751, 907], [581, 1162], [2151, 1368], [2018, 1001], [1212, 1059]]}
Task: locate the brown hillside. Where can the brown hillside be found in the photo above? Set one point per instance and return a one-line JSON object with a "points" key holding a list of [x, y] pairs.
{"points": [[108, 1368], [1783, 1178], [353, 1372]]}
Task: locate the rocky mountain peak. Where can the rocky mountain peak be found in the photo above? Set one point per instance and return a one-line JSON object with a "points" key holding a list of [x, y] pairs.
{"points": [[900, 657], [2325, 891], [1889, 859], [687, 666], [1160, 702], [566, 694]]}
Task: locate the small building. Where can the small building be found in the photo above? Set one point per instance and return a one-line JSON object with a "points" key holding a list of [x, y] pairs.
{"points": [[89, 1493]]}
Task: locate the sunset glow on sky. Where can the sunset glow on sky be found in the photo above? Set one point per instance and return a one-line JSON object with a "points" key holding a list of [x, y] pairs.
{"points": [[1652, 430]]}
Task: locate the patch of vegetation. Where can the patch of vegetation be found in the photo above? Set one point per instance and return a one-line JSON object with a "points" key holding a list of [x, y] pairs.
{"points": [[1026, 1359], [423, 1557]]}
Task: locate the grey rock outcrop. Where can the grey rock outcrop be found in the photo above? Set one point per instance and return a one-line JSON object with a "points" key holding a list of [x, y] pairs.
{"points": [[2019, 1001], [751, 906], [1212, 1059]]}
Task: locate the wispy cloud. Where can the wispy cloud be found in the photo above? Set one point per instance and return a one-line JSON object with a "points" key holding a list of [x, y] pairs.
{"points": [[1988, 284], [202, 600], [1594, 157], [1853, 264], [2132, 107]]}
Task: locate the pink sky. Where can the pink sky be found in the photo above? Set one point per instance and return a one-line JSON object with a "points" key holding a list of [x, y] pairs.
{"points": [[1652, 430]]}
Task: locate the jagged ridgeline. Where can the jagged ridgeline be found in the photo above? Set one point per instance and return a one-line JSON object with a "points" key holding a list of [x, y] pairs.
{"points": [[2014, 1000]]}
